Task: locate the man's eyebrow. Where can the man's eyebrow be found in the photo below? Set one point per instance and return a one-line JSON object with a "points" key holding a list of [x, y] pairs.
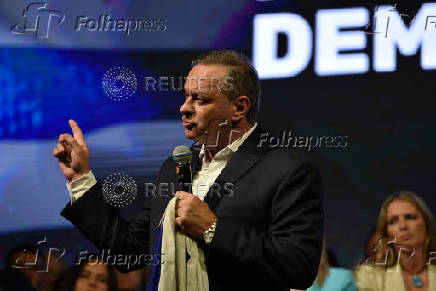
{"points": [[196, 92]]}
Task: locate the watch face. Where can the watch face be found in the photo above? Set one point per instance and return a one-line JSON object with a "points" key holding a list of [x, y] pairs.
{"points": [[208, 234], [208, 237]]}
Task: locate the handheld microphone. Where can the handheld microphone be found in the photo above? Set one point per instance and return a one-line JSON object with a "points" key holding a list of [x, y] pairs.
{"points": [[182, 157]]}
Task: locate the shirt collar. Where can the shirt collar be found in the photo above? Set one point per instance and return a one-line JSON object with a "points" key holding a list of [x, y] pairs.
{"points": [[231, 148]]}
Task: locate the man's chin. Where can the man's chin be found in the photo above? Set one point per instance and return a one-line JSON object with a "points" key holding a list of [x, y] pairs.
{"points": [[189, 134], [193, 135]]}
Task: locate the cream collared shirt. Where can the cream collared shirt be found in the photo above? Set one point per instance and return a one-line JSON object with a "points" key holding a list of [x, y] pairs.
{"points": [[210, 170], [201, 182], [370, 278]]}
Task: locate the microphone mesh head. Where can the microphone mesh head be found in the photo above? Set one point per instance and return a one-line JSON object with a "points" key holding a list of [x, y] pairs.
{"points": [[182, 155]]}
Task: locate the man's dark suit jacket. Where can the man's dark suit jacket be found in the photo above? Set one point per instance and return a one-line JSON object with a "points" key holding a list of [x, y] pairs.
{"points": [[270, 228]]}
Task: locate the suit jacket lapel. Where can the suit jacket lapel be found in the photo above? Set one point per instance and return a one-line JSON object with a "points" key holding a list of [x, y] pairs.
{"points": [[242, 160], [196, 162]]}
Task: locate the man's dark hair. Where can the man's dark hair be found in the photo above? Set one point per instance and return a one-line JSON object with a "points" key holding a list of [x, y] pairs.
{"points": [[244, 77]]}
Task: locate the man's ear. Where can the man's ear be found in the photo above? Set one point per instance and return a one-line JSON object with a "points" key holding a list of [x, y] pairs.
{"points": [[241, 105]]}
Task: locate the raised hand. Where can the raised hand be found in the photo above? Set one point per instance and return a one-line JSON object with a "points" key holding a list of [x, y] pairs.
{"points": [[72, 153]]}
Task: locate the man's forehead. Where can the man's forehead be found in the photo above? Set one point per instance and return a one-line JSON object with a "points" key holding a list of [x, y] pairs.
{"points": [[208, 71], [205, 77]]}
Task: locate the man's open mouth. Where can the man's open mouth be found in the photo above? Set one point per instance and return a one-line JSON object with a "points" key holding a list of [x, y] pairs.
{"points": [[189, 125]]}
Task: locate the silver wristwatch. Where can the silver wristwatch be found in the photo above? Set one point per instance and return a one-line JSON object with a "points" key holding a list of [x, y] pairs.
{"points": [[208, 234]]}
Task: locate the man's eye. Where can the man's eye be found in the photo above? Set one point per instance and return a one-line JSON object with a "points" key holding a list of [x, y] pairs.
{"points": [[201, 99]]}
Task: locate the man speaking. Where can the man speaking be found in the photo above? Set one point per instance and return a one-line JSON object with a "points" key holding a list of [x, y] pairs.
{"points": [[263, 232]]}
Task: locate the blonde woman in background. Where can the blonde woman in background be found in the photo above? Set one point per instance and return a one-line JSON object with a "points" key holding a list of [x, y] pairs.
{"points": [[408, 224]]}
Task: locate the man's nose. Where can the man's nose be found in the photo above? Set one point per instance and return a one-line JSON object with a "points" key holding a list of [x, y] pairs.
{"points": [[186, 108]]}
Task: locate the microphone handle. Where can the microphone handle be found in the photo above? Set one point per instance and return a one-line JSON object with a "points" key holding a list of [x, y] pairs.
{"points": [[184, 177]]}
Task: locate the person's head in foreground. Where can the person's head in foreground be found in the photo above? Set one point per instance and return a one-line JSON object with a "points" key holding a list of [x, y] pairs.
{"points": [[222, 93], [89, 275], [407, 222]]}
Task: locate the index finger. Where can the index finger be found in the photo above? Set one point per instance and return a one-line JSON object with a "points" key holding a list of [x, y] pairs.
{"points": [[77, 132]]}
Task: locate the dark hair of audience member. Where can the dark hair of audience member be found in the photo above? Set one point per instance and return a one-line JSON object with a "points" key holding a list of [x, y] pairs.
{"points": [[67, 280]]}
